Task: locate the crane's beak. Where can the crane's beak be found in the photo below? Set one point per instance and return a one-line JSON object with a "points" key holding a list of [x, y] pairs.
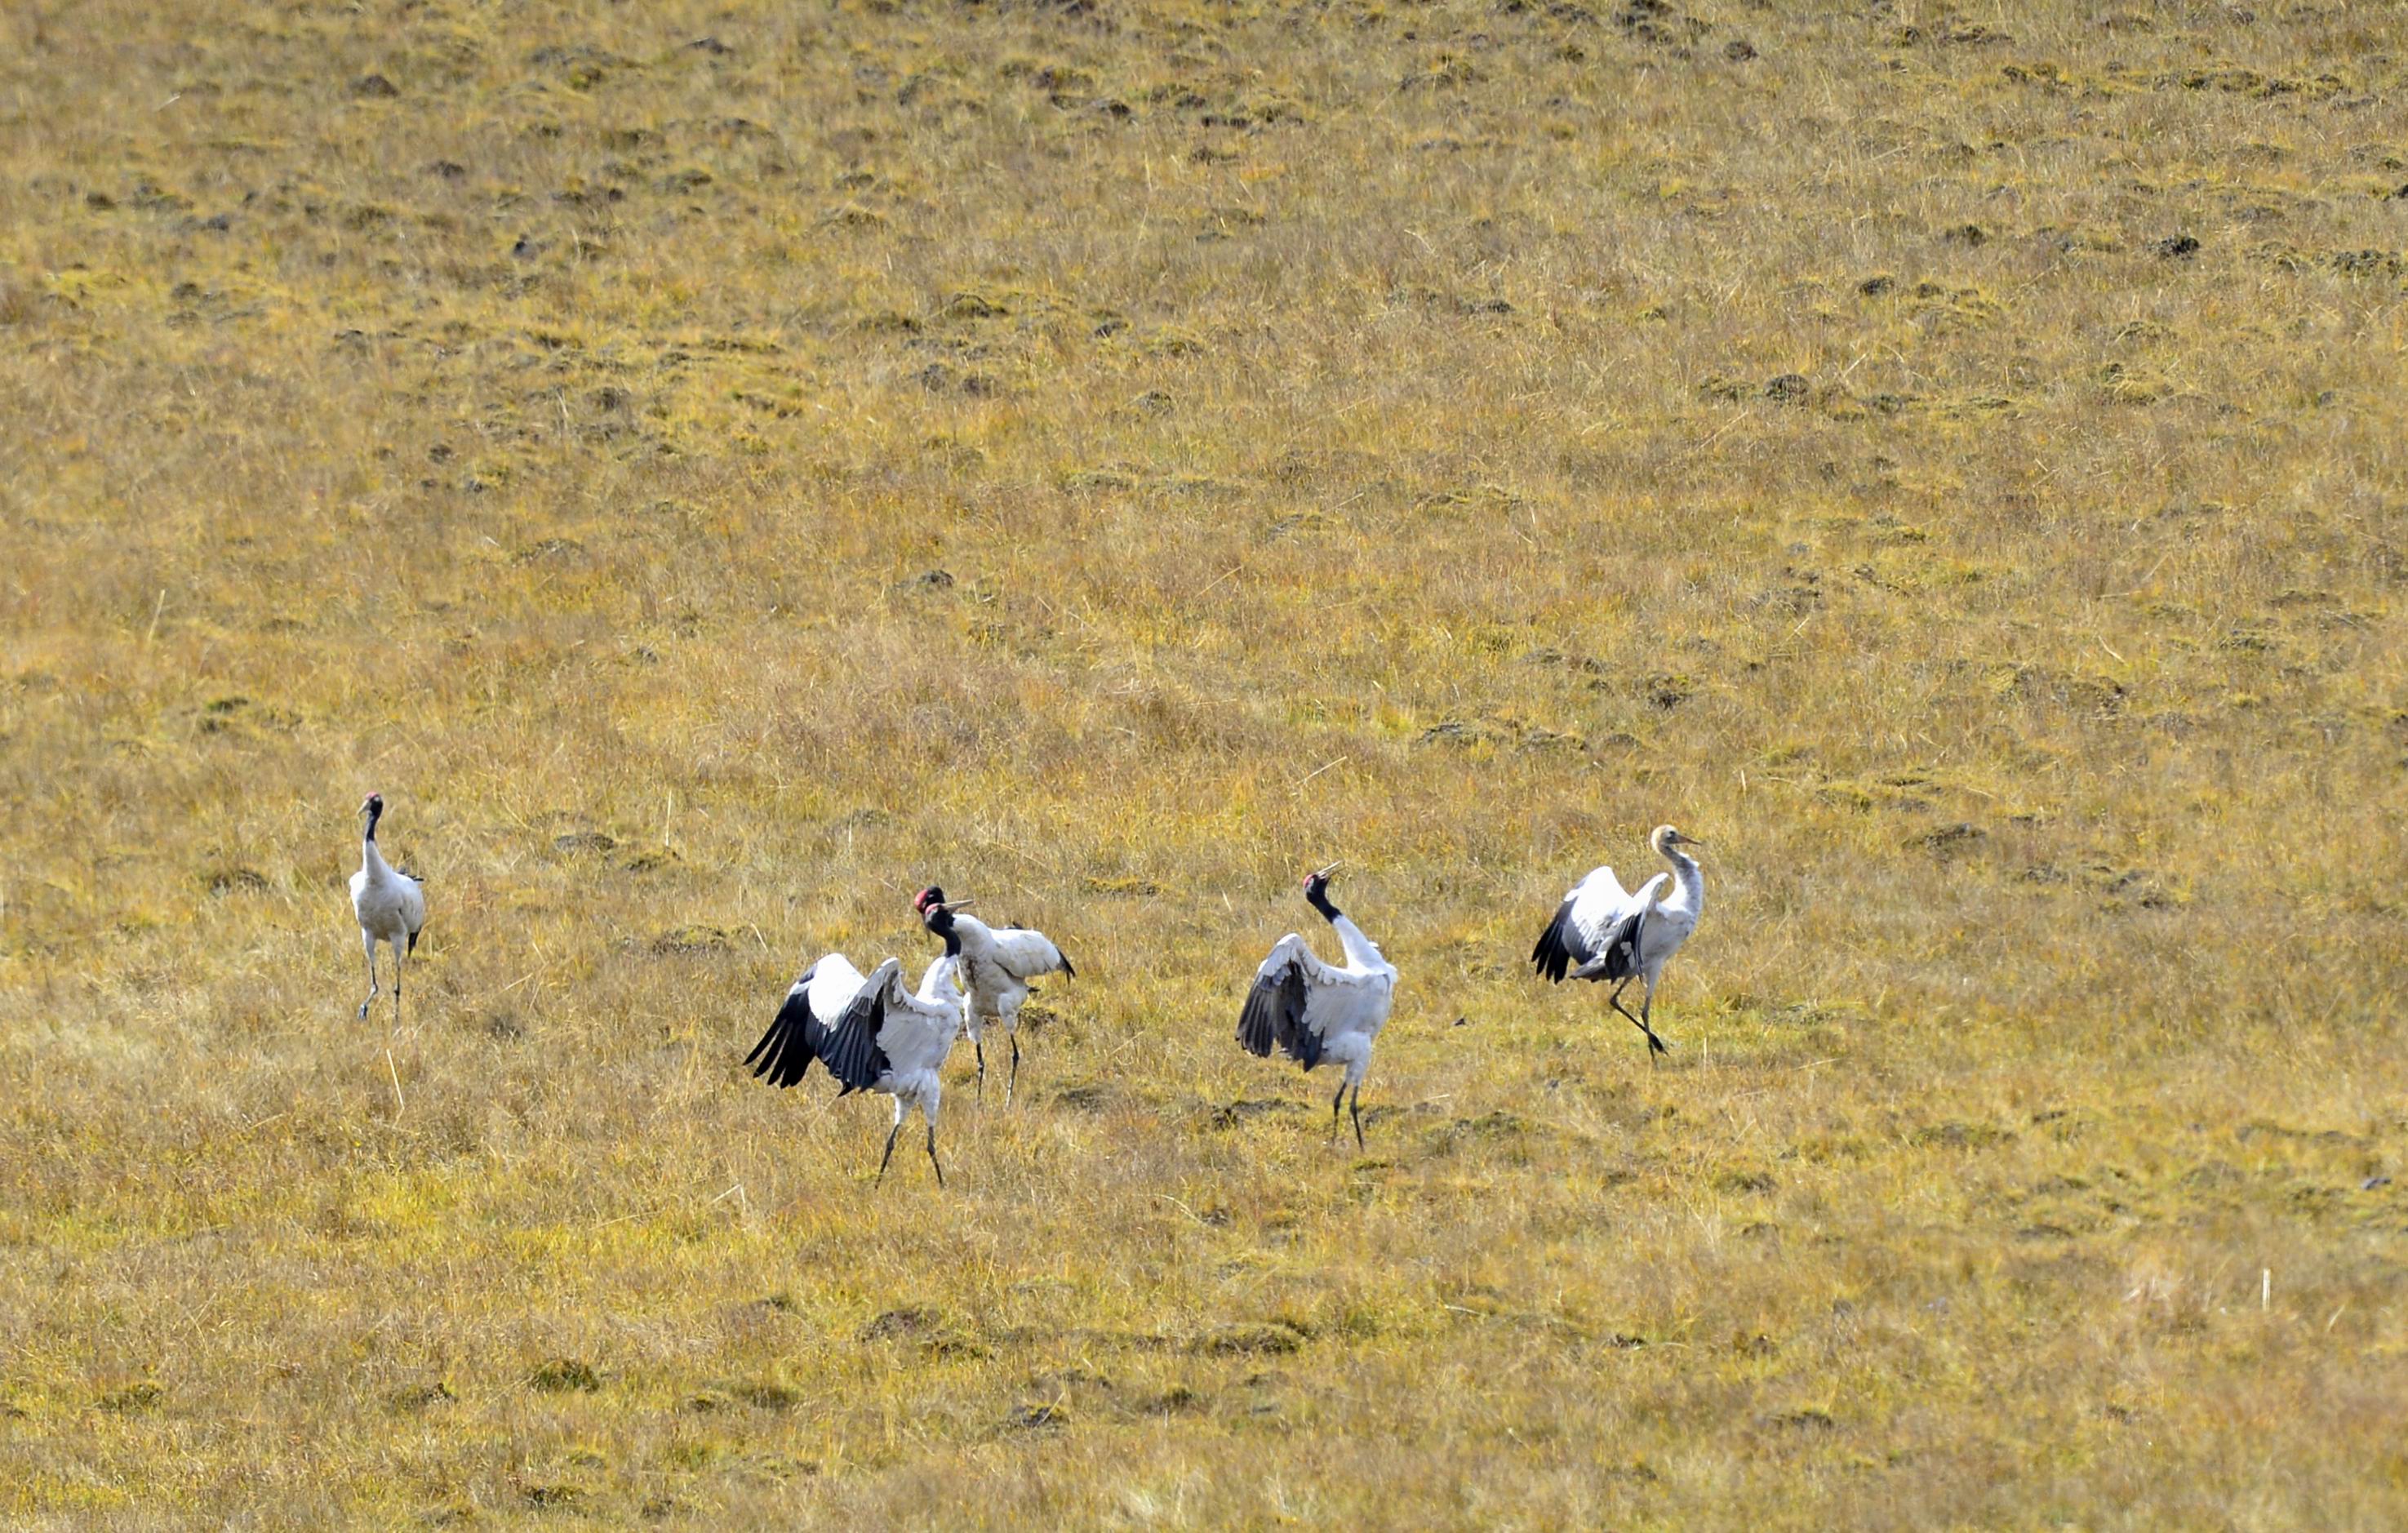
{"points": [[1333, 867], [950, 906], [1686, 840]]}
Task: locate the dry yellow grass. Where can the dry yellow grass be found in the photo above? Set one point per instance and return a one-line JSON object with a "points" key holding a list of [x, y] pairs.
{"points": [[714, 469]]}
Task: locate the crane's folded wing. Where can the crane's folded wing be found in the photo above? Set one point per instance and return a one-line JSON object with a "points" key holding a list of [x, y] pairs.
{"points": [[1025, 953]]}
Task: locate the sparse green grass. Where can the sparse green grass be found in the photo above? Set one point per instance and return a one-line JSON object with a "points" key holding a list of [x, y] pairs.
{"points": [[1453, 436]]}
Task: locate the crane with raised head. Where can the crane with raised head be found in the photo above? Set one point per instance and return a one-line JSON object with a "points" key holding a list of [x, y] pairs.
{"points": [[1315, 1010], [997, 963], [1603, 932]]}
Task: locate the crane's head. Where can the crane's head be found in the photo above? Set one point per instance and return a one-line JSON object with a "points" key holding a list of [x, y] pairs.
{"points": [[373, 804], [1316, 891], [931, 902], [937, 917], [1667, 837]]}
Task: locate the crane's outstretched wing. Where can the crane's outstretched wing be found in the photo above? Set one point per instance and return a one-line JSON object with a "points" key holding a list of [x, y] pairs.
{"points": [[853, 1054], [1279, 1007], [1590, 921], [1580, 921], [847, 1045], [1025, 953]]}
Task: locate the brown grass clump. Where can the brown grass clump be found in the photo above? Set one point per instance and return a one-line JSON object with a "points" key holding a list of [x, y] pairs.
{"points": [[714, 469]]}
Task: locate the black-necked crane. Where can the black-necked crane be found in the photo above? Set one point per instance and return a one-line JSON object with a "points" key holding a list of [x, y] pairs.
{"points": [[871, 1033], [997, 963], [391, 907], [1604, 932], [1315, 1011]]}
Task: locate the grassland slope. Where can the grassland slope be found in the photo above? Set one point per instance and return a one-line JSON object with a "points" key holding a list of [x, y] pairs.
{"points": [[715, 468]]}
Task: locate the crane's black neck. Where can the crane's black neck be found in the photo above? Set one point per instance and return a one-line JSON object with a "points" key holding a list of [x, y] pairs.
{"points": [[375, 812], [942, 922], [1317, 896]]}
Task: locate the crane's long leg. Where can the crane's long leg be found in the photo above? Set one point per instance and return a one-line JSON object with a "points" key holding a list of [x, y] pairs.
{"points": [[400, 958], [890, 1139], [1334, 1103], [368, 942], [1355, 1107], [1012, 1085], [1646, 1012], [978, 1047], [928, 1111], [1655, 1044]]}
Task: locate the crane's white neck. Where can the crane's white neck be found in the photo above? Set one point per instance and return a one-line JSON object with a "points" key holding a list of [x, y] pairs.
{"points": [[1691, 882], [934, 985], [371, 860], [1361, 951]]}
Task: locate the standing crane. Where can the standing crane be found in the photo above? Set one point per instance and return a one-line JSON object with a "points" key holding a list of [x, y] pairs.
{"points": [[391, 907], [1315, 1010], [872, 1034], [997, 963], [1603, 932]]}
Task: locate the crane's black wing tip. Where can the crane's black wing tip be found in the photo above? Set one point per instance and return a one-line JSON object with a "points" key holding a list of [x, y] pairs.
{"points": [[1557, 950], [762, 1048], [1255, 1025], [1068, 971], [784, 1053]]}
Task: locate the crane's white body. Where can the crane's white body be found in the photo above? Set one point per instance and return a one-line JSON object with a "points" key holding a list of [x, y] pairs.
{"points": [[1345, 1005], [1315, 1011], [997, 963], [391, 907], [1602, 931], [872, 1034], [915, 1028]]}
